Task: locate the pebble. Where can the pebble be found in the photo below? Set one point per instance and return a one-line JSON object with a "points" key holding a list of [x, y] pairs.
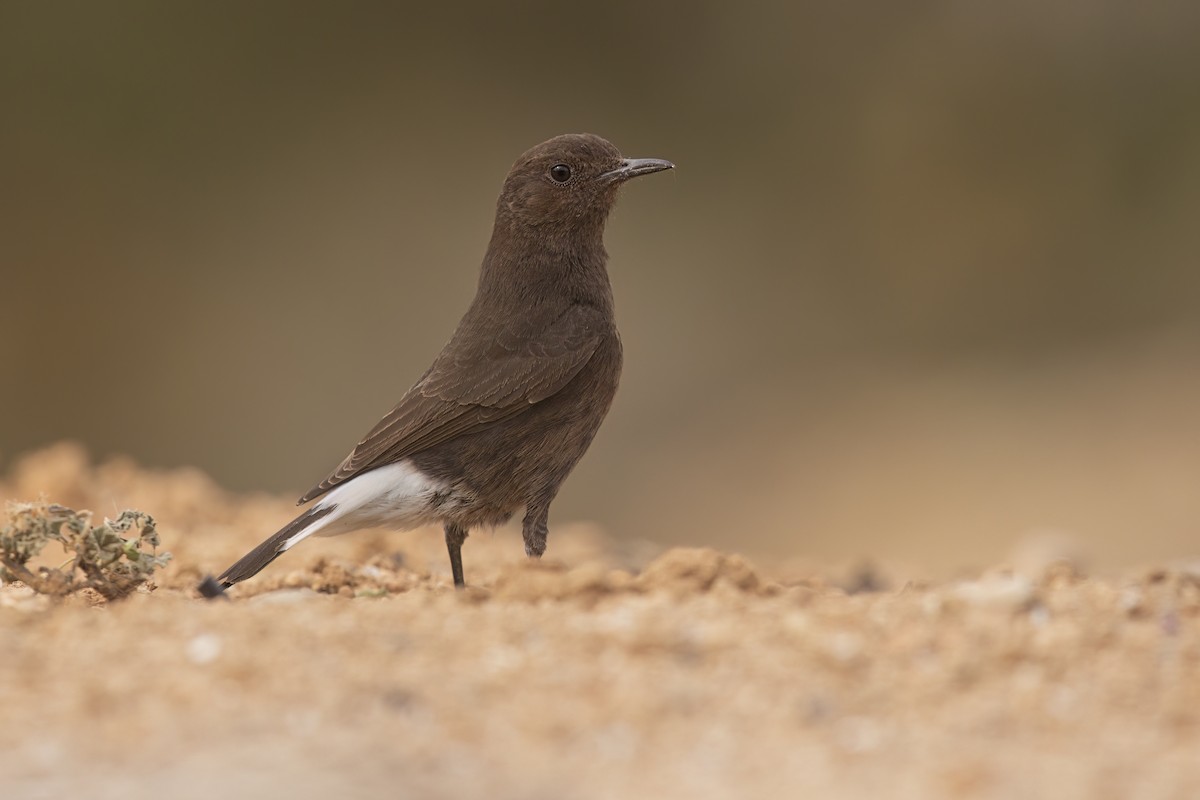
{"points": [[204, 649]]}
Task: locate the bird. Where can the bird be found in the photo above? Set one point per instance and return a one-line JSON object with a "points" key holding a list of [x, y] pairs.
{"points": [[512, 402]]}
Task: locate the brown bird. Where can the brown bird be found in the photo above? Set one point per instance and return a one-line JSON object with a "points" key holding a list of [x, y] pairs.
{"points": [[513, 400]]}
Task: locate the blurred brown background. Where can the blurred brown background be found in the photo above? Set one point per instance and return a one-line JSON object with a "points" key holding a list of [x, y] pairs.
{"points": [[924, 282]]}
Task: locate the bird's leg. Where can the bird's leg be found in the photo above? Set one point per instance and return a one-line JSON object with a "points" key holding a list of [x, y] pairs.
{"points": [[534, 529], [455, 536]]}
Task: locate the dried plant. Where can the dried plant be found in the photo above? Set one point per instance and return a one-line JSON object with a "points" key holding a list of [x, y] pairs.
{"points": [[114, 557]]}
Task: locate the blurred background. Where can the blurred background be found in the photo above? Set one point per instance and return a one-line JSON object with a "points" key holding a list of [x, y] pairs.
{"points": [[924, 284]]}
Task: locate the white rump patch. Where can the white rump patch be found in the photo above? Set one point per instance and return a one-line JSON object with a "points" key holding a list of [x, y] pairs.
{"points": [[398, 496]]}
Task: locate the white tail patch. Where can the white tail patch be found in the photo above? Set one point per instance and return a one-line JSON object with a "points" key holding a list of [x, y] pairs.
{"points": [[398, 496]]}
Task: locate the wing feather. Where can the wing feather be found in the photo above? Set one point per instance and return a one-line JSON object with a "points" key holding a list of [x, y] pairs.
{"points": [[476, 381]]}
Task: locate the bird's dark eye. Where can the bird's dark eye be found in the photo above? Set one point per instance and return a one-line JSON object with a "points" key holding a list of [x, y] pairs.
{"points": [[561, 173]]}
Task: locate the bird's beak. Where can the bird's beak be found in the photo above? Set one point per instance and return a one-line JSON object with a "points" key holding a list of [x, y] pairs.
{"points": [[632, 167]]}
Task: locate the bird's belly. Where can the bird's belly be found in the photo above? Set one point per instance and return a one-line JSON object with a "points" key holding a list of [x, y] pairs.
{"points": [[505, 466], [501, 469]]}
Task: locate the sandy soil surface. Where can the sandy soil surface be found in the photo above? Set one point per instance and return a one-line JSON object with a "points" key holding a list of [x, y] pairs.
{"points": [[353, 669]]}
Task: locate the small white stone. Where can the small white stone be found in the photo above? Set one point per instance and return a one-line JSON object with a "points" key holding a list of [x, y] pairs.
{"points": [[1039, 615], [1131, 600], [1004, 592], [204, 649]]}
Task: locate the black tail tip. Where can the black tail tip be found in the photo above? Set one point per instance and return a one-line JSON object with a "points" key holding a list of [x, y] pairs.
{"points": [[211, 589]]}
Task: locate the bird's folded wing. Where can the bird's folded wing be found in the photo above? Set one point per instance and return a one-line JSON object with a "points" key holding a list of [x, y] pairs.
{"points": [[476, 381]]}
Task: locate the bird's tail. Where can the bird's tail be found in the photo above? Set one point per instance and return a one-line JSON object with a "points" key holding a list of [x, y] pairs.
{"points": [[253, 562]]}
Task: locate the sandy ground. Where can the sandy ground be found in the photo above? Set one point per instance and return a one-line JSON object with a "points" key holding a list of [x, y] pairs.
{"points": [[353, 669]]}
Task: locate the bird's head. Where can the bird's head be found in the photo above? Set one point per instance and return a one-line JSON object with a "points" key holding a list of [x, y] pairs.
{"points": [[569, 181]]}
